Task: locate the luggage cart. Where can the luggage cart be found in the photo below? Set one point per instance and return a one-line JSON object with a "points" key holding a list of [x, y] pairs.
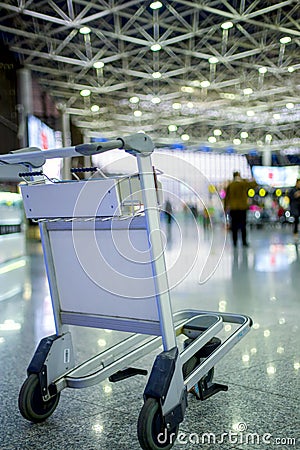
{"points": [[106, 269]]}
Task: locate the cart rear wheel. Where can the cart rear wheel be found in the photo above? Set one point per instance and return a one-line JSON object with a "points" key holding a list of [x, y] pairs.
{"points": [[152, 433], [31, 404]]}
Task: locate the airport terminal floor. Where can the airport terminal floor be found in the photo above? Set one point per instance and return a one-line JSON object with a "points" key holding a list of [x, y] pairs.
{"points": [[261, 408]]}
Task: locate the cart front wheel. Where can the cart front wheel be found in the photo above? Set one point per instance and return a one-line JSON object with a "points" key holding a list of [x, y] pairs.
{"points": [[31, 403], [152, 433]]}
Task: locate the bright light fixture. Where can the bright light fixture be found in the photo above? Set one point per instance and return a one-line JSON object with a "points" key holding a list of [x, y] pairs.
{"points": [[217, 132], [285, 40], [84, 30], [291, 69], [156, 75], [172, 128], [137, 113], [276, 116], [250, 113], [155, 47], [268, 137], [95, 108], [185, 137], [205, 83], [155, 100], [290, 105], [187, 89], [85, 93], [213, 60], [190, 105], [98, 65], [156, 5], [134, 99], [263, 70], [248, 91], [227, 25], [236, 141], [176, 105], [244, 134], [212, 139]]}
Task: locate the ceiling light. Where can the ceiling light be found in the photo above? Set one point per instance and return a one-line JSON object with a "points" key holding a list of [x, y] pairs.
{"points": [[291, 69], [244, 134], [217, 132], [185, 137], [213, 60], [205, 83], [236, 141], [137, 113], [84, 30], [268, 138], [176, 105], [227, 25], [190, 105], [212, 139], [290, 105], [172, 128], [134, 99], [98, 65], [276, 116], [285, 40], [155, 100], [248, 91], [263, 70], [156, 75], [95, 108], [156, 5], [196, 83], [187, 89], [250, 113], [155, 47], [85, 93]]}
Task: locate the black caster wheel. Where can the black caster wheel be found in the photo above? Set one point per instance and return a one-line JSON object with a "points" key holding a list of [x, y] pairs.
{"points": [[31, 404], [152, 433]]}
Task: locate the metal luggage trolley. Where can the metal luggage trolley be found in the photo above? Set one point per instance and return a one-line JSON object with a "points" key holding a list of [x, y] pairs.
{"points": [[90, 243]]}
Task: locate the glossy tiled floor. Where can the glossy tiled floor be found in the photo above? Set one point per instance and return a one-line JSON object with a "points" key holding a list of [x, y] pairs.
{"points": [[261, 408]]}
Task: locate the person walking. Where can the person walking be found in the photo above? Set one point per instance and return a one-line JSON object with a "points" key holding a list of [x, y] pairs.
{"points": [[236, 205], [294, 196]]}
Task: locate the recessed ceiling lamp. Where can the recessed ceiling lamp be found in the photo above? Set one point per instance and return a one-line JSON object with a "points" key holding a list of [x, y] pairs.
{"points": [[227, 25], [263, 70], [190, 105], [134, 99], [172, 128], [98, 65], [95, 108], [244, 134], [185, 137], [268, 138], [236, 141], [205, 83], [276, 116], [290, 105], [156, 75], [250, 113], [84, 30], [155, 100], [187, 89], [217, 132], [285, 40], [212, 139], [156, 5], [196, 83], [137, 113], [291, 69], [176, 105], [155, 47], [248, 91], [213, 60], [85, 93]]}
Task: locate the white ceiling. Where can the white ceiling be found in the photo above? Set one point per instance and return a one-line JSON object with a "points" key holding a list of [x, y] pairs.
{"points": [[45, 37]]}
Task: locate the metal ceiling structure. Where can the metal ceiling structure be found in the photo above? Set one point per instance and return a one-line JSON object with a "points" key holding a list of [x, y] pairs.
{"points": [[219, 68]]}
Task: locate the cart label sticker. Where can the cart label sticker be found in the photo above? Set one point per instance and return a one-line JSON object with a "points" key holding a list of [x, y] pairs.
{"points": [[66, 356]]}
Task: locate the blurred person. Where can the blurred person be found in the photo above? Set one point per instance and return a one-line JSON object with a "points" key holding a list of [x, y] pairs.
{"points": [[168, 210], [294, 196], [236, 205]]}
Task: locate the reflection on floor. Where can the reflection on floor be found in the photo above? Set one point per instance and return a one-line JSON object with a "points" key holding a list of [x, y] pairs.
{"points": [[261, 408]]}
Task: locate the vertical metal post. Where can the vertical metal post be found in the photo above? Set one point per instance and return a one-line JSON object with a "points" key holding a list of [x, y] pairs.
{"points": [[156, 251], [66, 135], [25, 103]]}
